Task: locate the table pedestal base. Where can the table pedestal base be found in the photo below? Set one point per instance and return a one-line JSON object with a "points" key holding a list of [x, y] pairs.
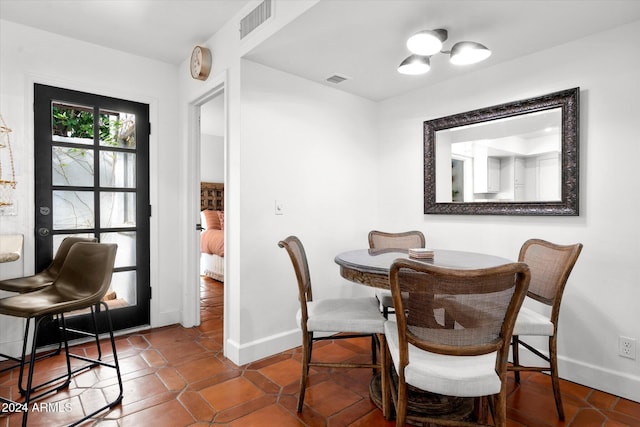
{"points": [[423, 403]]}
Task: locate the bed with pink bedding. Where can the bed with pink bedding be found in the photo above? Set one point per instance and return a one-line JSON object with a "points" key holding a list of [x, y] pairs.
{"points": [[212, 235]]}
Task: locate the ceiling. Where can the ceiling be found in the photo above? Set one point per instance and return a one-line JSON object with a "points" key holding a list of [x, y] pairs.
{"points": [[358, 39], [365, 40], [165, 30]]}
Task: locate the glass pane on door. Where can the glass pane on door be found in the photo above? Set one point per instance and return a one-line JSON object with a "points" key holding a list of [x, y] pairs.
{"points": [[72, 123], [126, 241], [117, 169], [72, 166], [123, 289], [117, 209], [58, 238], [73, 210], [117, 129]]}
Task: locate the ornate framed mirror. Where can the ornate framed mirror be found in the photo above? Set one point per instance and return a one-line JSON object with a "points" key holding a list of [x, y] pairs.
{"points": [[518, 158]]}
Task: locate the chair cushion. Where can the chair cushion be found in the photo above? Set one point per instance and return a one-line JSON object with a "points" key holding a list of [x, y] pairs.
{"points": [[385, 298], [463, 376], [360, 315], [531, 322], [28, 283]]}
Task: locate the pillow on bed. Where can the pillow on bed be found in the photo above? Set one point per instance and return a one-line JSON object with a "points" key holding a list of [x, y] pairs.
{"points": [[211, 220], [221, 219], [203, 220]]}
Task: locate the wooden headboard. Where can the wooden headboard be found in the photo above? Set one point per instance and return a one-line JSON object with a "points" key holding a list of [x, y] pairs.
{"points": [[212, 196]]}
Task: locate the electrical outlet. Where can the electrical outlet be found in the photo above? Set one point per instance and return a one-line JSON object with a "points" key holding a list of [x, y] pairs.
{"points": [[627, 347]]}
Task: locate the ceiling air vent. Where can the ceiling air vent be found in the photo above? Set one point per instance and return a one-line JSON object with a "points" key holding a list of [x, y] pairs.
{"points": [[336, 78], [257, 16]]}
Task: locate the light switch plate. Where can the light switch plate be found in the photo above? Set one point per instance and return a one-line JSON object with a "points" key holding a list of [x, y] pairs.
{"points": [[279, 207]]}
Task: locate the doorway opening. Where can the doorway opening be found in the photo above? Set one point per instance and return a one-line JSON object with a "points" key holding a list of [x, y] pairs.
{"points": [[212, 180], [207, 178]]}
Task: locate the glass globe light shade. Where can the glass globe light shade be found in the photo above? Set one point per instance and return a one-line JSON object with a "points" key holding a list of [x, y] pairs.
{"points": [[427, 42], [465, 53], [414, 65]]}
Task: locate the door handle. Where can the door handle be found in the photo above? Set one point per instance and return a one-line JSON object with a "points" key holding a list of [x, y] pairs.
{"points": [[199, 227]]}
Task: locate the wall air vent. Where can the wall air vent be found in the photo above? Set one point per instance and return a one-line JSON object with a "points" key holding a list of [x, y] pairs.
{"points": [[336, 78], [257, 16]]}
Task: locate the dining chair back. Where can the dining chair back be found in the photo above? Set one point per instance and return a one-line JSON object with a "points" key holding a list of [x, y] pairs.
{"points": [[404, 240], [385, 240], [463, 360], [348, 317], [550, 265]]}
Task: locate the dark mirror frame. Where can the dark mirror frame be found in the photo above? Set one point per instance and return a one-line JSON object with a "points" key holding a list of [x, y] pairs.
{"points": [[568, 100]]}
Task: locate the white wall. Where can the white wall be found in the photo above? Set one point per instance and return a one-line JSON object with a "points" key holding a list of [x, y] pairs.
{"points": [[212, 128], [227, 49], [30, 56], [211, 158], [601, 299], [312, 148]]}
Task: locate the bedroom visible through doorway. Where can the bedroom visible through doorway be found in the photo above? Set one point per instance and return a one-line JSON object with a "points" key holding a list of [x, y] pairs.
{"points": [[212, 136]]}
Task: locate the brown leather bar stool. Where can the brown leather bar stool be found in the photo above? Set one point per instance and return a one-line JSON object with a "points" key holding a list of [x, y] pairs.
{"points": [[38, 281], [83, 281]]}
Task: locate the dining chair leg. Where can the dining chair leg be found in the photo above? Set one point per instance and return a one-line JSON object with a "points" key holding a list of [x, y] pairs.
{"points": [[555, 382], [384, 380], [500, 408], [515, 347], [401, 405], [306, 358], [21, 361], [95, 328], [30, 388], [32, 362], [481, 408], [374, 349], [115, 365]]}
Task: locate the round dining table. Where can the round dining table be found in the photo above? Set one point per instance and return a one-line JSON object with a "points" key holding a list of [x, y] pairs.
{"points": [[371, 267]]}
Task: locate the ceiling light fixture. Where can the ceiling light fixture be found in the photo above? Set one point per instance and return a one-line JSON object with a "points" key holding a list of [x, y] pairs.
{"points": [[429, 42]]}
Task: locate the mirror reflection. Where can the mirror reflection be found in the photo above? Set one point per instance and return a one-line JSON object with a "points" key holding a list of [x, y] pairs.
{"points": [[511, 159], [517, 158]]}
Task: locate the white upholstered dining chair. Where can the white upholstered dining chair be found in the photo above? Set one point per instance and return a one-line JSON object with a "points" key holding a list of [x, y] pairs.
{"points": [[350, 317], [466, 360], [550, 266]]}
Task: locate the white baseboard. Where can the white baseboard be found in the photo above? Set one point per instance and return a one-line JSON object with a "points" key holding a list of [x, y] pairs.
{"points": [[621, 384], [166, 318], [241, 354]]}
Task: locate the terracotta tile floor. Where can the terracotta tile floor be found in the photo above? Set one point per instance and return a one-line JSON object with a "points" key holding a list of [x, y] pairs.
{"points": [[178, 377]]}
